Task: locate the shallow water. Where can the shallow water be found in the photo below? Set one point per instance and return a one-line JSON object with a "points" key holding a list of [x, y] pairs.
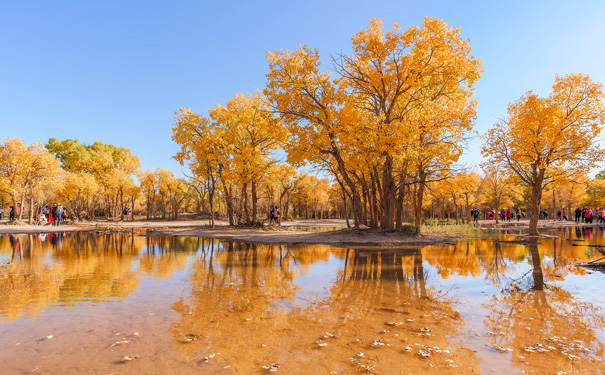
{"points": [[127, 304]]}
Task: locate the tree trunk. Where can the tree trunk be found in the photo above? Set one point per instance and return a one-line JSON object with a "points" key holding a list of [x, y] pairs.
{"points": [[388, 195], [400, 198], [254, 203], [122, 204], [554, 208], [244, 204], [354, 191], [31, 210], [536, 197], [148, 205], [418, 206], [228, 201]]}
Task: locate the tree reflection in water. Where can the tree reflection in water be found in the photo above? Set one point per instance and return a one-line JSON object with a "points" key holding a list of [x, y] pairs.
{"points": [[247, 304], [59, 270], [544, 327]]}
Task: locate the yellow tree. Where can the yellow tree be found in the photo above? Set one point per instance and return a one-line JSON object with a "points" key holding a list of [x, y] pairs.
{"points": [[149, 188], [281, 180], [112, 166], [25, 169], [470, 190], [497, 189], [239, 138], [441, 128], [546, 139], [250, 133], [311, 107], [391, 75], [202, 144], [78, 188], [172, 190]]}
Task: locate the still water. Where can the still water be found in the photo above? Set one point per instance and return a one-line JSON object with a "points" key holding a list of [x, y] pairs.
{"points": [[122, 303]]}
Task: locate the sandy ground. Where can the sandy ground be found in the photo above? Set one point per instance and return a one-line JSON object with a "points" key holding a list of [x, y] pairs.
{"points": [[328, 232]]}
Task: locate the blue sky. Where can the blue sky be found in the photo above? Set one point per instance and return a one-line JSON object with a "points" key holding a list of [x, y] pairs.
{"points": [[115, 71]]}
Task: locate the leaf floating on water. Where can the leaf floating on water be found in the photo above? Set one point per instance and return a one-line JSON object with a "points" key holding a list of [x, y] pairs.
{"points": [[361, 355], [130, 358], [250, 318], [377, 344], [322, 344], [411, 320], [49, 337], [135, 334], [407, 349], [272, 368]]}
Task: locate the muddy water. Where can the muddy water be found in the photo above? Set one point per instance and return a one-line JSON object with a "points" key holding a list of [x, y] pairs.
{"points": [[127, 304]]}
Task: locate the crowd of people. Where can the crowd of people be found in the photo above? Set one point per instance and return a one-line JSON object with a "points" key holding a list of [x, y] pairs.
{"points": [[53, 215], [505, 215], [587, 215], [582, 215]]}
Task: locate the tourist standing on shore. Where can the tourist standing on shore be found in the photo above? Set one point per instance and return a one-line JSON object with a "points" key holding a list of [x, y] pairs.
{"points": [[272, 214], [578, 214], [1, 213], [59, 214]]}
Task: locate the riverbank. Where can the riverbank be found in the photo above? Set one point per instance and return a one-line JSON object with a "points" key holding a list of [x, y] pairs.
{"points": [[331, 232]]}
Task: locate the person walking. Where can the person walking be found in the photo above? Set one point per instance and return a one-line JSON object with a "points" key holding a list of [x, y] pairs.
{"points": [[277, 216], [59, 214], [272, 214]]}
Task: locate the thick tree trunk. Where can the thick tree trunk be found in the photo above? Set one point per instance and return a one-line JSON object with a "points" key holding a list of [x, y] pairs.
{"points": [[148, 206], [31, 210], [122, 204], [254, 203], [354, 191], [400, 198], [132, 201], [536, 198], [245, 203], [228, 201], [418, 204], [388, 194]]}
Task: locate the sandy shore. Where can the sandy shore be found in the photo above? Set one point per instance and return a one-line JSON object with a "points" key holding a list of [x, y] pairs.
{"points": [[327, 232]]}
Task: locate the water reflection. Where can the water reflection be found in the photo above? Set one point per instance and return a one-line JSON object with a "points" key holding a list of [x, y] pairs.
{"points": [[61, 269], [245, 305], [546, 327], [211, 306]]}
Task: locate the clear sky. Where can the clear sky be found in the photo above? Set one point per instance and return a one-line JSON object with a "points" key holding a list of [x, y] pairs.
{"points": [[115, 71]]}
